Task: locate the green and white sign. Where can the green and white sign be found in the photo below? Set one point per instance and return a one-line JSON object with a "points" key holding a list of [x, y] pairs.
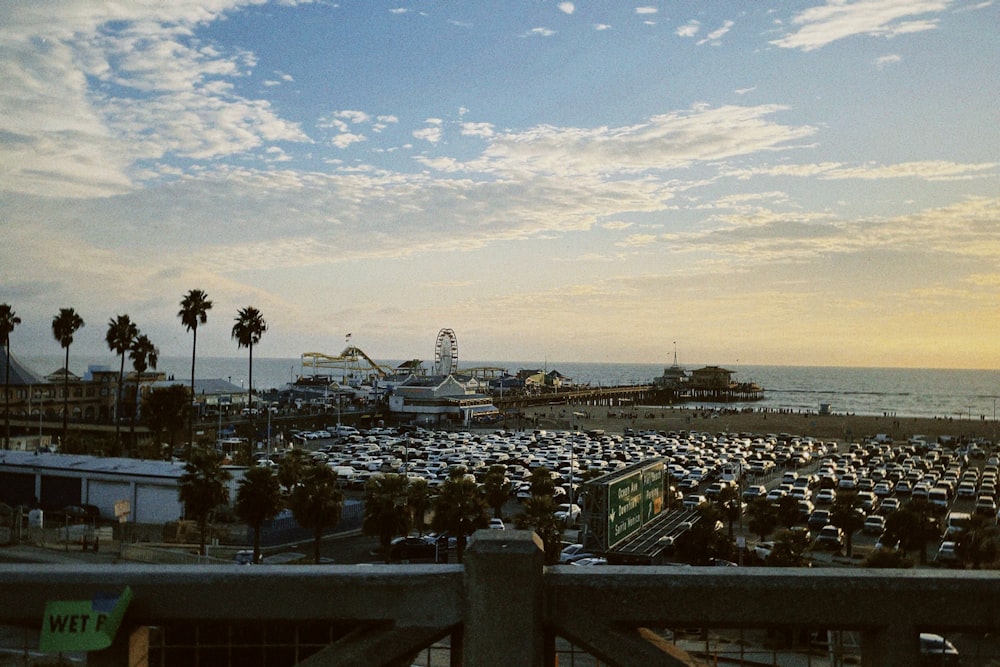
{"points": [[633, 501], [83, 625], [624, 508]]}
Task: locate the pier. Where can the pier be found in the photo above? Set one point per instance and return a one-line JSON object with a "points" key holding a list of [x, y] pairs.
{"points": [[630, 395]]}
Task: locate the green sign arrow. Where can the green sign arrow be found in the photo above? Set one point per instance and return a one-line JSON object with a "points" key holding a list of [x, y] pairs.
{"points": [[83, 625]]}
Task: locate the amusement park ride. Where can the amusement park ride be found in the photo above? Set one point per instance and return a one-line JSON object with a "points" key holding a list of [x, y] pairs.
{"points": [[352, 367]]}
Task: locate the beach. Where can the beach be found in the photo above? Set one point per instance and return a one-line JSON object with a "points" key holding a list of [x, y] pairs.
{"points": [[840, 427]]}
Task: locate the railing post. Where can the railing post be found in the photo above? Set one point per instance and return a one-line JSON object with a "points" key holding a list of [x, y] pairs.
{"points": [[503, 599]]}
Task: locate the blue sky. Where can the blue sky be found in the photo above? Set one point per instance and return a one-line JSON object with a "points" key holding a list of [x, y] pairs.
{"points": [[812, 183]]}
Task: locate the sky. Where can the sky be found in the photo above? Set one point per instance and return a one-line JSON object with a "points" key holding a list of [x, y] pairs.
{"points": [[796, 182]]}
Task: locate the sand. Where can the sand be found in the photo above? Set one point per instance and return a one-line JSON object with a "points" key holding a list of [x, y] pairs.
{"points": [[843, 428]]}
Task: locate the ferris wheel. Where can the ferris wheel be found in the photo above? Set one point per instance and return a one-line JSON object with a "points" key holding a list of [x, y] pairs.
{"points": [[445, 353]]}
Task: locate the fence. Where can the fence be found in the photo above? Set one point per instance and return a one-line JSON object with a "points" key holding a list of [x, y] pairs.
{"points": [[502, 607]]}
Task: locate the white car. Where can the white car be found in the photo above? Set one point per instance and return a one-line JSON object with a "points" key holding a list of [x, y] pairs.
{"points": [[497, 524], [590, 561], [874, 525], [573, 552], [568, 513], [763, 549]]}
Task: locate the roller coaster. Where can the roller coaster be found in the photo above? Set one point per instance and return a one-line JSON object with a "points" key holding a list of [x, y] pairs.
{"points": [[352, 367]]}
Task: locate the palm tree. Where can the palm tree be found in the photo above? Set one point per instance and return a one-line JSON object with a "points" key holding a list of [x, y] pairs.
{"points": [[731, 506], [386, 512], [122, 332], [202, 488], [417, 499], [762, 518], [144, 355], [292, 467], [247, 332], [8, 320], [165, 409], [317, 502], [539, 515], [258, 499], [64, 325], [460, 509], [497, 488], [194, 311], [846, 515]]}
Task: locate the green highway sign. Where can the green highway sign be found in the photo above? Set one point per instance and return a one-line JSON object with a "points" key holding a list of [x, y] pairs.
{"points": [[652, 492], [624, 508], [633, 501]]}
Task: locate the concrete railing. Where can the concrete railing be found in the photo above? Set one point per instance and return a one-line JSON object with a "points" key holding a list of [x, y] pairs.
{"points": [[505, 607]]}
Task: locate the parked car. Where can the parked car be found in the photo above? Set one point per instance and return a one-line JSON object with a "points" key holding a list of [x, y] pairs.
{"points": [[946, 553], [986, 506], [763, 549], [568, 513], [830, 537], [573, 552], [693, 500], [874, 525], [818, 519], [888, 506], [408, 548], [497, 524], [590, 561], [825, 497], [938, 651]]}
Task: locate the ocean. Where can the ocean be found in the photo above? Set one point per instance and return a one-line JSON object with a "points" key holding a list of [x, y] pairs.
{"points": [[902, 392]]}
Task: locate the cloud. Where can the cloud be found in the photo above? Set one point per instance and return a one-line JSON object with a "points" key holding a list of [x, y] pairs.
{"points": [[717, 34], [884, 61], [346, 139], [646, 10], [835, 20], [928, 170], [567, 7], [601, 26], [89, 92], [667, 141], [354, 116], [689, 29], [539, 32], [478, 129], [431, 134]]}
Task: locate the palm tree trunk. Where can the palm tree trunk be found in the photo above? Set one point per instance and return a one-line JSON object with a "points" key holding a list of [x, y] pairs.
{"points": [[118, 405], [190, 442], [6, 399], [65, 430], [316, 542], [135, 416], [253, 425]]}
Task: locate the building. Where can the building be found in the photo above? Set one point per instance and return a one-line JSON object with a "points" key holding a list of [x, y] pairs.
{"points": [[437, 399], [34, 397], [212, 397], [54, 481]]}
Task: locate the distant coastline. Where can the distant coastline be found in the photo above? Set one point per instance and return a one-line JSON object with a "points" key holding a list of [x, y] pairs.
{"points": [[907, 393]]}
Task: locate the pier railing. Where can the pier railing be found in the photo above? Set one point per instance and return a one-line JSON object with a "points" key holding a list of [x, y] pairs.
{"points": [[503, 606]]}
